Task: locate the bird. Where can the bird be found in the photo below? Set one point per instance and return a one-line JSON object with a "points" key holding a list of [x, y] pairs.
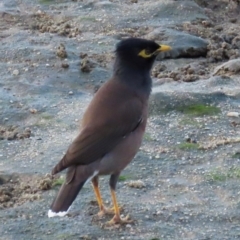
{"points": [[111, 129]]}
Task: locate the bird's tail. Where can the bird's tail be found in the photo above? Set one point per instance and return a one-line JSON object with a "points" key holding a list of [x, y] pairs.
{"points": [[64, 199], [67, 194]]}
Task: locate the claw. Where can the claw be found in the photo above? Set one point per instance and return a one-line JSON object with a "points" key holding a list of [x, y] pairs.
{"points": [[118, 220], [107, 211]]}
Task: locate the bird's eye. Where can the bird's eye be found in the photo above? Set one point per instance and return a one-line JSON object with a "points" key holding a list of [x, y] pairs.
{"points": [[145, 53]]}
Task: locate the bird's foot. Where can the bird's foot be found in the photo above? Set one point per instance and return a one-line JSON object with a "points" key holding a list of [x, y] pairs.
{"points": [[118, 220], [107, 211]]}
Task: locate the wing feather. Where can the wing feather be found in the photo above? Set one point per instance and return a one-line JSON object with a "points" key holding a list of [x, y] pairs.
{"points": [[103, 131]]}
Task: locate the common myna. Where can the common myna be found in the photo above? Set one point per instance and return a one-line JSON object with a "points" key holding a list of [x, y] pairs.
{"points": [[112, 127]]}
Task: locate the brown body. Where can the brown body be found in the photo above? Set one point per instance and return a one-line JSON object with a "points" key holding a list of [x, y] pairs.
{"points": [[104, 146], [112, 127]]}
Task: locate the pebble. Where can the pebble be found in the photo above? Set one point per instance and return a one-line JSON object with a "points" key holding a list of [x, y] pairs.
{"points": [[15, 72], [65, 65], [136, 184], [61, 51], [206, 23], [219, 28], [233, 114], [33, 110], [158, 212], [233, 20], [128, 226], [70, 93]]}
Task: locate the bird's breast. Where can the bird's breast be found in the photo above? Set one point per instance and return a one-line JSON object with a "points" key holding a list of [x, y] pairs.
{"points": [[123, 153]]}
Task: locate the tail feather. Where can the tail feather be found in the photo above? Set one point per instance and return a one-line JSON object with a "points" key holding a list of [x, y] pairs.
{"points": [[76, 177], [64, 199]]}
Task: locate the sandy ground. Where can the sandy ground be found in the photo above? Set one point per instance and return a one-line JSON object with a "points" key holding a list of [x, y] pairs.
{"points": [[184, 182]]}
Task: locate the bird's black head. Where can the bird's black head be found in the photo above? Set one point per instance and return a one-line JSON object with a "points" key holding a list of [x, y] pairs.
{"points": [[138, 53], [134, 60]]}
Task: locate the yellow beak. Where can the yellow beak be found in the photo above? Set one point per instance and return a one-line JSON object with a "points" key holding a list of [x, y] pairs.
{"points": [[164, 48]]}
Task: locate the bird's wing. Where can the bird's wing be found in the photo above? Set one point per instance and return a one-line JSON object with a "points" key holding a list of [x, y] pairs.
{"points": [[96, 140]]}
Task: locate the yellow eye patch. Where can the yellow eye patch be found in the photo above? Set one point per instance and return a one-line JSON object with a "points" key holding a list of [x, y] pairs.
{"points": [[145, 54], [162, 48]]}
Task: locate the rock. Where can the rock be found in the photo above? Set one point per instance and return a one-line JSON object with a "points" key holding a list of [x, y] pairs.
{"points": [[19, 136], [174, 95], [26, 134], [33, 110], [128, 226], [11, 136], [183, 44], [233, 20], [4, 178], [190, 78], [136, 184], [15, 72], [83, 55], [13, 132], [236, 42], [228, 68], [218, 28], [158, 68], [170, 14], [206, 23], [218, 142], [61, 51], [65, 65], [87, 65], [233, 114], [27, 130]]}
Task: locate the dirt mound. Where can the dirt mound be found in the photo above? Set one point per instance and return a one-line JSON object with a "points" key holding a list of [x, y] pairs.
{"points": [[17, 189]]}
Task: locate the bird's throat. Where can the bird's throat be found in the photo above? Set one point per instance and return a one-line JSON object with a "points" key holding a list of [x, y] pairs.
{"points": [[137, 78]]}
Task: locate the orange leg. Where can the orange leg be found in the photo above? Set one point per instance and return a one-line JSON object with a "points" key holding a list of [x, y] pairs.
{"points": [[103, 210], [116, 219]]}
